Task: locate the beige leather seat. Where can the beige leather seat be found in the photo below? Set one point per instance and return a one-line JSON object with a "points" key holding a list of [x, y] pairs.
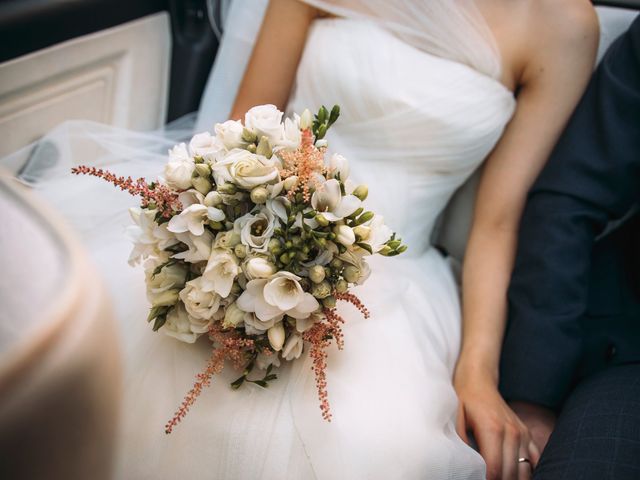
{"points": [[59, 361]]}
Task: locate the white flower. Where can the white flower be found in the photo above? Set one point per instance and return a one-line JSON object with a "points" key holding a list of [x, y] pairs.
{"points": [[247, 169], [206, 146], [328, 200], [254, 326], [226, 239], [256, 230], [306, 120], [179, 169], [149, 238], [192, 219], [199, 247], [358, 269], [339, 165], [263, 361], [279, 295], [178, 325], [233, 316], [304, 324], [230, 133], [220, 273], [293, 348], [379, 233], [276, 336], [292, 135], [200, 305], [345, 235], [258, 267], [190, 197], [265, 120], [164, 286]]}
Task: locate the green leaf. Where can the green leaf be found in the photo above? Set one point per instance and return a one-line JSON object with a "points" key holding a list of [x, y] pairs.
{"points": [[268, 378], [236, 384], [365, 246], [160, 321], [261, 383], [335, 113]]}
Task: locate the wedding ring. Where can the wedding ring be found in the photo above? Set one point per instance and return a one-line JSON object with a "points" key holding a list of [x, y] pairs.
{"points": [[524, 460]]}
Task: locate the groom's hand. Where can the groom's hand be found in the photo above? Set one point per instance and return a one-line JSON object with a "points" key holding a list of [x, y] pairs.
{"points": [[539, 420], [502, 437]]}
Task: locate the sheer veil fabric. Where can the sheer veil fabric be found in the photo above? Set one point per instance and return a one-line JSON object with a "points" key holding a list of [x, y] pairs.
{"points": [[422, 107]]}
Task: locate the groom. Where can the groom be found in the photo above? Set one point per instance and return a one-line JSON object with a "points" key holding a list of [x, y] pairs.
{"points": [[571, 356]]}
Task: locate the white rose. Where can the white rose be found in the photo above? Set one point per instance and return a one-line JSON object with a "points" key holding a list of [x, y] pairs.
{"points": [[230, 133], [178, 325], [200, 305], [226, 239], [339, 166], [281, 294], [256, 230], [328, 200], [220, 273], [247, 169], [258, 267], [206, 146], [254, 326], [199, 247], [192, 219], [179, 169], [293, 348], [265, 120], [164, 286]]}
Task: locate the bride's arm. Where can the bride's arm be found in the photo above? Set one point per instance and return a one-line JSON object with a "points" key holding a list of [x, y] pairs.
{"points": [[274, 61], [555, 75]]}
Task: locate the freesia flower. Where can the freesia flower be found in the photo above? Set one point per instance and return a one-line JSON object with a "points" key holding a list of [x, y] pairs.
{"points": [[276, 336], [293, 348], [378, 233], [339, 166], [279, 295], [148, 237], [192, 219], [220, 273], [258, 267], [328, 200], [199, 247]]}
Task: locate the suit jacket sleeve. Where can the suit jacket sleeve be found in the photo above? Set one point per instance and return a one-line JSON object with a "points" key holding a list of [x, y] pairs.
{"points": [[592, 177]]}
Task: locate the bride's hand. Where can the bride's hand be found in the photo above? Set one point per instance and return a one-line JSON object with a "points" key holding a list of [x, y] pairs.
{"points": [[501, 436]]}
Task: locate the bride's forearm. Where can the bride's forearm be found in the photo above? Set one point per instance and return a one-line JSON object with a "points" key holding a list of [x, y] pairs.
{"points": [[486, 274]]}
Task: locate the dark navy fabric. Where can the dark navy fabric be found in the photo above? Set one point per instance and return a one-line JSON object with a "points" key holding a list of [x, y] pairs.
{"points": [[597, 436], [574, 300]]}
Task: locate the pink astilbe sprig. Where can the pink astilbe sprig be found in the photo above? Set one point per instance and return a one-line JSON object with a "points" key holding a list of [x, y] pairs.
{"points": [[303, 163], [353, 300], [164, 199], [228, 345], [319, 337]]}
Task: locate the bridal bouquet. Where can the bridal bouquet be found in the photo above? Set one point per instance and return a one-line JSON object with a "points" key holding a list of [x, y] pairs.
{"points": [[251, 238]]}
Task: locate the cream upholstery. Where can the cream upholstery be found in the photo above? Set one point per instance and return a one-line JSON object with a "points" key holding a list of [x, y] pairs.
{"points": [[456, 220], [59, 361]]}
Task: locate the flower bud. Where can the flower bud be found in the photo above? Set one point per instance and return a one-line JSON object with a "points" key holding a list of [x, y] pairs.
{"points": [[322, 220], [306, 120], [203, 170], [248, 136], [345, 235], [329, 302], [227, 189], [202, 185], [213, 199], [336, 263], [351, 274], [264, 148], [342, 286], [165, 299], [274, 246], [259, 195], [240, 250], [393, 244], [385, 250], [362, 232], [259, 267], [316, 274], [251, 148], [364, 218], [321, 290], [290, 182], [322, 143], [402, 249], [362, 192], [233, 316], [276, 336], [339, 166]]}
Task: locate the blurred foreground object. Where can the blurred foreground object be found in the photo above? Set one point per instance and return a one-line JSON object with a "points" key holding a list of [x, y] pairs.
{"points": [[59, 360]]}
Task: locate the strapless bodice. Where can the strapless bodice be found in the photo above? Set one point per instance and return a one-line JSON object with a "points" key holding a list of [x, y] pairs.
{"points": [[413, 125]]}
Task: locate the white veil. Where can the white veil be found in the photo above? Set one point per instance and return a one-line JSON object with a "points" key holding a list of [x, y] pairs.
{"points": [[452, 29]]}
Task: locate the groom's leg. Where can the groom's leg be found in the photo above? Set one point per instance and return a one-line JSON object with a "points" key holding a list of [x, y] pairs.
{"points": [[597, 435]]}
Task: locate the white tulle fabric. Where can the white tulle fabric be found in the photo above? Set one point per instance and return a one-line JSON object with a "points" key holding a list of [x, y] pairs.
{"points": [[415, 124]]}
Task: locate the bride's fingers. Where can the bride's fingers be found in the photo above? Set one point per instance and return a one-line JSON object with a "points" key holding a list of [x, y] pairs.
{"points": [[461, 424], [511, 447], [534, 453], [490, 444]]}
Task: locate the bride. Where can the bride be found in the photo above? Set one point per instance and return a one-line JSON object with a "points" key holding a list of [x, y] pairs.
{"points": [[428, 89]]}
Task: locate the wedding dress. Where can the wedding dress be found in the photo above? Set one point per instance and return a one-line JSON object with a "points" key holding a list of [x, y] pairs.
{"points": [[419, 115]]}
